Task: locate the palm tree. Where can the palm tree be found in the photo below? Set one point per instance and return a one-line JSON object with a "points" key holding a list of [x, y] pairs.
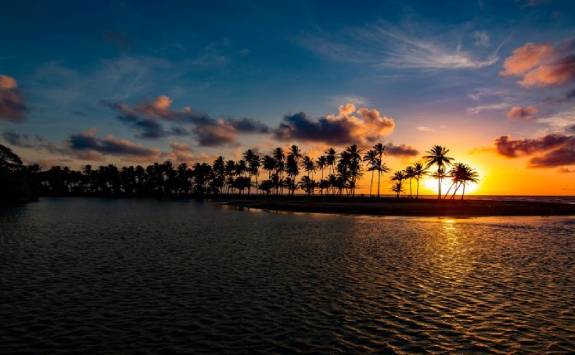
{"points": [[371, 158], [379, 149], [330, 157], [418, 172], [469, 175], [398, 177], [397, 188], [309, 167], [437, 155], [307, 184], [269, 164], [253, 162], [354, 155], [279, 157], [321, 163], [462, 174], [293, 167], [410, 174]]}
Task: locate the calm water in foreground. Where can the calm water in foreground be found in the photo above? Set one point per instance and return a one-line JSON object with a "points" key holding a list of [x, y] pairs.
{"points": [[109, 276]]}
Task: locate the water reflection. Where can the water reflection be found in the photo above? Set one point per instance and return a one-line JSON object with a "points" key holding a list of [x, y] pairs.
{"points": [[175, 276]]}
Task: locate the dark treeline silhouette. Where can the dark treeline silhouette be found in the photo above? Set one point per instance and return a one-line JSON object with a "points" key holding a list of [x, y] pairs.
{"points": [[282, 172]]}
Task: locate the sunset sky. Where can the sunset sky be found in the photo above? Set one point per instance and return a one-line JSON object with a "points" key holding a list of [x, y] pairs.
{"points": [[135, 82]]}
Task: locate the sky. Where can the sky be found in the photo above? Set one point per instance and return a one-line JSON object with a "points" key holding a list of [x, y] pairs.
{"points": [[135, 82]]}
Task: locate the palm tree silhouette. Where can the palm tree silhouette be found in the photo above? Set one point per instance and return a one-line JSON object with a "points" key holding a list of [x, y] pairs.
{"points": [[354, 156], [309, 167], [373, 165], [410, 174], [437, 155], [418, 172], [254, 163], [379, 149], [330, 156], [398, 177], [462, 175], [269, 164], [279, 157]]}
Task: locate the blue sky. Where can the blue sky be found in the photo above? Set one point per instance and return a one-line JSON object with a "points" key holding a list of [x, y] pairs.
{"points": [[434, 68]]}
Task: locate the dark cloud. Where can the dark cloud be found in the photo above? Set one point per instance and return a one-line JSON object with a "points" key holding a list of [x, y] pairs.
{"points": [[36, 142], [350, 125], [570, 129], [88, 142], [12, 107], [513, 148], [22, 140], [553, 149], [400, 150], [150, 118], [564, 155]]}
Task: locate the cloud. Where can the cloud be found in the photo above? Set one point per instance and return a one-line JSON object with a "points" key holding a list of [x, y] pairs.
{"points": [[387, 45], [21, 140], [481, 39], [559, 121], [522, 113], [567, 170], [554, 149], [425, 129], [180, 152], [541, 65], [149, 118], [349, 125], [480, 93], [12, 107], [400, 150], [513, 148], [89, 144], [525, 58], [478, 109]]}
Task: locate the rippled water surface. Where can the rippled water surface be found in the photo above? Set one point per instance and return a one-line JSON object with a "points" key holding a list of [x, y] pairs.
{"points": [[119, 276]]}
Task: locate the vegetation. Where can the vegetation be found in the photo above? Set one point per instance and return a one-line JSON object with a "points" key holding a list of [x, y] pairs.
{"points": [[280, 172]]}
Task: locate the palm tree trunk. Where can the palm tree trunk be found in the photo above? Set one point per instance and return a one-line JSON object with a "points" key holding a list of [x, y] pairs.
{"points": [[447, 193], [371, 183], [455, 192], [378, 181], [439, 188], [417, 192], [463, 192], [410, 194]]}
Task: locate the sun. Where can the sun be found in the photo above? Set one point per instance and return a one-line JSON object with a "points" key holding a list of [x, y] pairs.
{"points": [[430, 184]]}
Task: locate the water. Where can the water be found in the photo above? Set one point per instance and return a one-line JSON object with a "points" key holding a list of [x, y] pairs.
{"points": [[120, 276]]}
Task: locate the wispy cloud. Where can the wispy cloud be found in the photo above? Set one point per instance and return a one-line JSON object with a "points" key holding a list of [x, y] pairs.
{"points": [[489, 107], [389, 46], [560, 121]]}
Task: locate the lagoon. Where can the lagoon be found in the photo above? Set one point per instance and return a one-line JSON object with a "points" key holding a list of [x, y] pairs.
{"points": [[90, 275]]}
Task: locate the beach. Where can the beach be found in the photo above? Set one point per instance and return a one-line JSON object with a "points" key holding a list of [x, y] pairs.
{"points": [[406, 206]]}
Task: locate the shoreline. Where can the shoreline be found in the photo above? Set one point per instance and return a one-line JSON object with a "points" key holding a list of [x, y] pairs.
{"points": [[409, 207]]}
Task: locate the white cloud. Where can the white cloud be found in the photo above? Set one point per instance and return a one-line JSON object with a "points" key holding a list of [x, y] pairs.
{"points": [[386, 45], [496, 106]]}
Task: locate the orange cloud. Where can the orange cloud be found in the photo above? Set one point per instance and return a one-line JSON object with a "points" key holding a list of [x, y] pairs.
{"points": [[349, 125], [541, 65], [551, 74], [522, 113], [12, 107], [525, 58]]}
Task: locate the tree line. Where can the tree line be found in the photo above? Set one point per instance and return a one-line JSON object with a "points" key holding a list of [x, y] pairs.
{"points": [[281, 172]]}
